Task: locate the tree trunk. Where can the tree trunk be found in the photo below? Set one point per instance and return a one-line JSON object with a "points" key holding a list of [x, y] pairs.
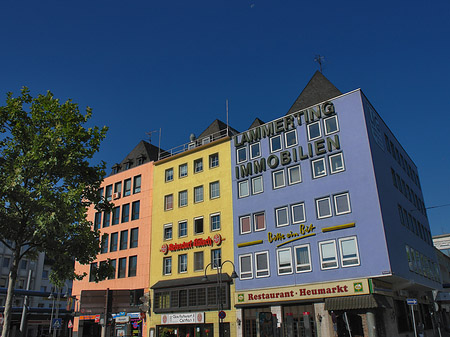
{"points": [[7, 314]]}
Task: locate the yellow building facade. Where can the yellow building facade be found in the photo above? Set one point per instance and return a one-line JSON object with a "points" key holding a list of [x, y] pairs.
{"points": [[192, 236]]}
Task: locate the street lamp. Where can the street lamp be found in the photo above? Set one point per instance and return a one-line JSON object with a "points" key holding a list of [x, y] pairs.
{"points": [[52, 298], [219, 266]]}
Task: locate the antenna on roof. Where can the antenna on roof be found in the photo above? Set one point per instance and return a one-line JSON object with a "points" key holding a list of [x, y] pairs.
{"points": [[319, 59], [227, 117], [149, 134]]}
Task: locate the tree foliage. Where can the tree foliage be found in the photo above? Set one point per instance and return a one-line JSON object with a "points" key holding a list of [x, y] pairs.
{"points": [[47, 183]]}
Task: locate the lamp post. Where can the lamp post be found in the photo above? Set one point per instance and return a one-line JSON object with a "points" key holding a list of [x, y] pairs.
{"points": [[219, 265], [51, 297]]}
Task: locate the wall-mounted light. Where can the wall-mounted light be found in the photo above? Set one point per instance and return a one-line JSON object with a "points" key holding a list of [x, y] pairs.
{"points": [[238, 321]]}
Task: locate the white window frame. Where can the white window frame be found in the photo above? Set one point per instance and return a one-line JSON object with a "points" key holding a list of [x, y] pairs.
{"points": [[239, 189], [297, 264], [240, 224], [179, 228], [292, 212], [348, 202], [289, 174], [211, 222], [274, 180], [165, 260], [195, 231], [253, 184], [166, 208], [211, 184], [249, 273], [294, 131], [317, 208], [241, 150], [182, 263], [266, 253], [184, 192], [309, 133], [196, 161], [325, 125], [212, 163], [254, 221], [195, 195], [165, 174], [257, 144], [277, 221], [271, 143], [179, 170], [278, 261], [335, 255], [341, 253], [313, 171], [166, 226], [339, 169]]}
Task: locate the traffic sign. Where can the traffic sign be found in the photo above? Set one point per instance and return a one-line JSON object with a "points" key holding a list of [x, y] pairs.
{"points": [[56, 323], [70, 325], [411, 301], [222, 314]]}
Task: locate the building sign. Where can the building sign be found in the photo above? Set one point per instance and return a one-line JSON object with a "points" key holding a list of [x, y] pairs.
{"points": [[196, 243], [183, 318], [304, 292], [304, 231]]}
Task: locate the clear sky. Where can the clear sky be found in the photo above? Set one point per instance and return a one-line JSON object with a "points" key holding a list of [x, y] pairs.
{"points": [[146, 65]]}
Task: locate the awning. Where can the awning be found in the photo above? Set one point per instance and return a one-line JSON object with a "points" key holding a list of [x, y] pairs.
{"points": [[189, 281], [356, 302]]}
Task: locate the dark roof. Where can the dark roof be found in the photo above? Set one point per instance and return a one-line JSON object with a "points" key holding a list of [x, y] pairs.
{"points": [[217, 127], [318, 89], [256, 122], [191, 281]]}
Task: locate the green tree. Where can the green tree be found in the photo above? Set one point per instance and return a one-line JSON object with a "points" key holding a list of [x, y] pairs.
{"points": [[46, 185]]}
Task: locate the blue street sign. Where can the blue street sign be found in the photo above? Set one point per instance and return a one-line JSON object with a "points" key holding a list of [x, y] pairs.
{"points": [[56, 323], [411, 301]]}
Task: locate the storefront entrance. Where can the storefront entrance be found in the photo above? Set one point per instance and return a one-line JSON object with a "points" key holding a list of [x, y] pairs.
{"points": [[185, 330]]}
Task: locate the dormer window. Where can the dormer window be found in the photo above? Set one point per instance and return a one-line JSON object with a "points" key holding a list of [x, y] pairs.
{"points": [[128, 164], [116, 168], [140, 160]]}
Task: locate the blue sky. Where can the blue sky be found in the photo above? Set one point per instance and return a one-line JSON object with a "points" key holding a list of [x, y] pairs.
{"points": [[146, 65]]}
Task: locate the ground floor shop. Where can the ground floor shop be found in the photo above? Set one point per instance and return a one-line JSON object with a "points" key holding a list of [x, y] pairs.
{"points": [[119, 325]]}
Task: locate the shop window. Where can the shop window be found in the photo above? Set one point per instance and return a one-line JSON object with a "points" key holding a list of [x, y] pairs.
{"points": [[167, 265], [336, 163], [198, 194], [198, 261], [135, 209], [255, 150], [198, 165], [281, 216], [290, 138], [114, 241], [183, 170], [104, 247], [127, 187], [168, 202], [216, 258], [169, 174], [241, 155], [125, 213], [323, 208], [243, 189], [137, 184], [275, 143], [122, 267], [259, 221], [132, 266], [284, 260], [215, 221], [262, 264], [182, 229], [168, 232], [298, 213], [134, 237], [214, 190], [214, 160], [116, 215], [106, 219], [123, 240], [245, 267], [328, 254], [245, 224], [314, 130], [331, 125], [294, 175], [342, 203], [257, 185], [182, 198], [278, 179], [198, 225], [302, 259], [182, 263], [319, 168]]}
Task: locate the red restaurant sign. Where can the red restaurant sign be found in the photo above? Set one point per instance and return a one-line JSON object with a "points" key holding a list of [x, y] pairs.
{"points": [[174, 247]]}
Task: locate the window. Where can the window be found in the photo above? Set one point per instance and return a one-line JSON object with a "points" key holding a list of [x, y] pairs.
{"points": [[106, 219], [182, 198], [284, 260], [168, 202], [24, 263], [127, 187], [259, 220], [290, 138], [318, 168], [183, 170], [255, 150], [298, 213], [113, 244], [314, 131], [132, 266], [331, 125], [262, 264], [198, 225], [137, 184], [245, 225], [281, 216], [278, 179], [241, 155], [168, 232], [167, 266], [125, 213], [44, 272], [215, 222], [214, 160], [113, 266], [245, 267], [105, 243], [275, 143], [134, 237], [257, 185], [294, 175], [243, 189], [349, 251], [336, 163], [122, 267], [198, 194], [108, 192], [198, 165], [323, 207], [328, 254], [182, 263], [118, 187], [116, 215], [97, 220], [216, 258], [198, 261], [92, 271], [135, 207], [169, 174], [214, 190], [123, 240], [302, 259], [342, 203], [182, 229]]}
